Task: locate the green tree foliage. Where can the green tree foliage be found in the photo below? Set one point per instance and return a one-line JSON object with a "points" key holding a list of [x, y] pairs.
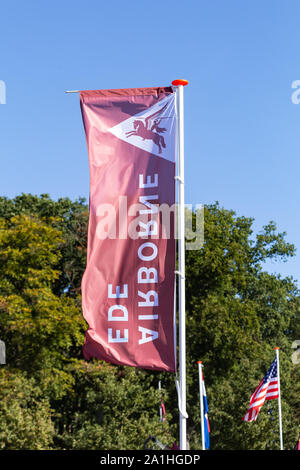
{"points": [[71, 218], [42, 256], [41, 330], [25, 415], [236, 314], [111, 408]]}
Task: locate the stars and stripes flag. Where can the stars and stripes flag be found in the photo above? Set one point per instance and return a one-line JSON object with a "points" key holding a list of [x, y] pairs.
{"points": [[267, 390]]}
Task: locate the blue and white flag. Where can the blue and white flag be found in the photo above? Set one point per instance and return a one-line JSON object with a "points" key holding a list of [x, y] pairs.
{"points": [[205, 413]]}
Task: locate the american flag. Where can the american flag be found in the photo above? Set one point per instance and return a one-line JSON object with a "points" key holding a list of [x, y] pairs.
{"points": [[267, 390]]}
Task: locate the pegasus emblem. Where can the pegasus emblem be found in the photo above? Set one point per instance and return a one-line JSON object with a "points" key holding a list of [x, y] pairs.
{"points": [[150, 129]]}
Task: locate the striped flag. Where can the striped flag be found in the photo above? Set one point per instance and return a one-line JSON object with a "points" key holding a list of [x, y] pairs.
{"points": [[267, 390], [205, 412]]}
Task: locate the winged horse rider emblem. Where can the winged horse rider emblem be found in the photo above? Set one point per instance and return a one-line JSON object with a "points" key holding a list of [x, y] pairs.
{"points": [[150, 129]]}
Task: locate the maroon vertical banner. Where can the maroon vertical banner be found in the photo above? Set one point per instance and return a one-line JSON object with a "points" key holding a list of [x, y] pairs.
{"points": [[128, 284]]}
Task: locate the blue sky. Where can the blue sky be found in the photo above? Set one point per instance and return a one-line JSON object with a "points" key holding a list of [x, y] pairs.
{"points": [[241, 128]]}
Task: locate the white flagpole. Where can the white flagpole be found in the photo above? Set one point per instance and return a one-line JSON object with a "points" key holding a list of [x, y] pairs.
{"points": [[179, 84], [160, 408], [279, 399], [201, 403]]}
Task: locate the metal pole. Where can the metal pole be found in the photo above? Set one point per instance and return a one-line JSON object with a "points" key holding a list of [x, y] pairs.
{"points": [[201, 404], [181, 258], [160, 408], [279, 399], [2, 352]]}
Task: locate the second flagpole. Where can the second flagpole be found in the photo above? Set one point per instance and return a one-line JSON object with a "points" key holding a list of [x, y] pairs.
{"points": [[201, 403], [179, 84], [279, 399]]}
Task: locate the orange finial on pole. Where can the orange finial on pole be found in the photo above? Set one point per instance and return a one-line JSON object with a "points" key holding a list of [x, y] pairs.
{"points": [[180, 81]]}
